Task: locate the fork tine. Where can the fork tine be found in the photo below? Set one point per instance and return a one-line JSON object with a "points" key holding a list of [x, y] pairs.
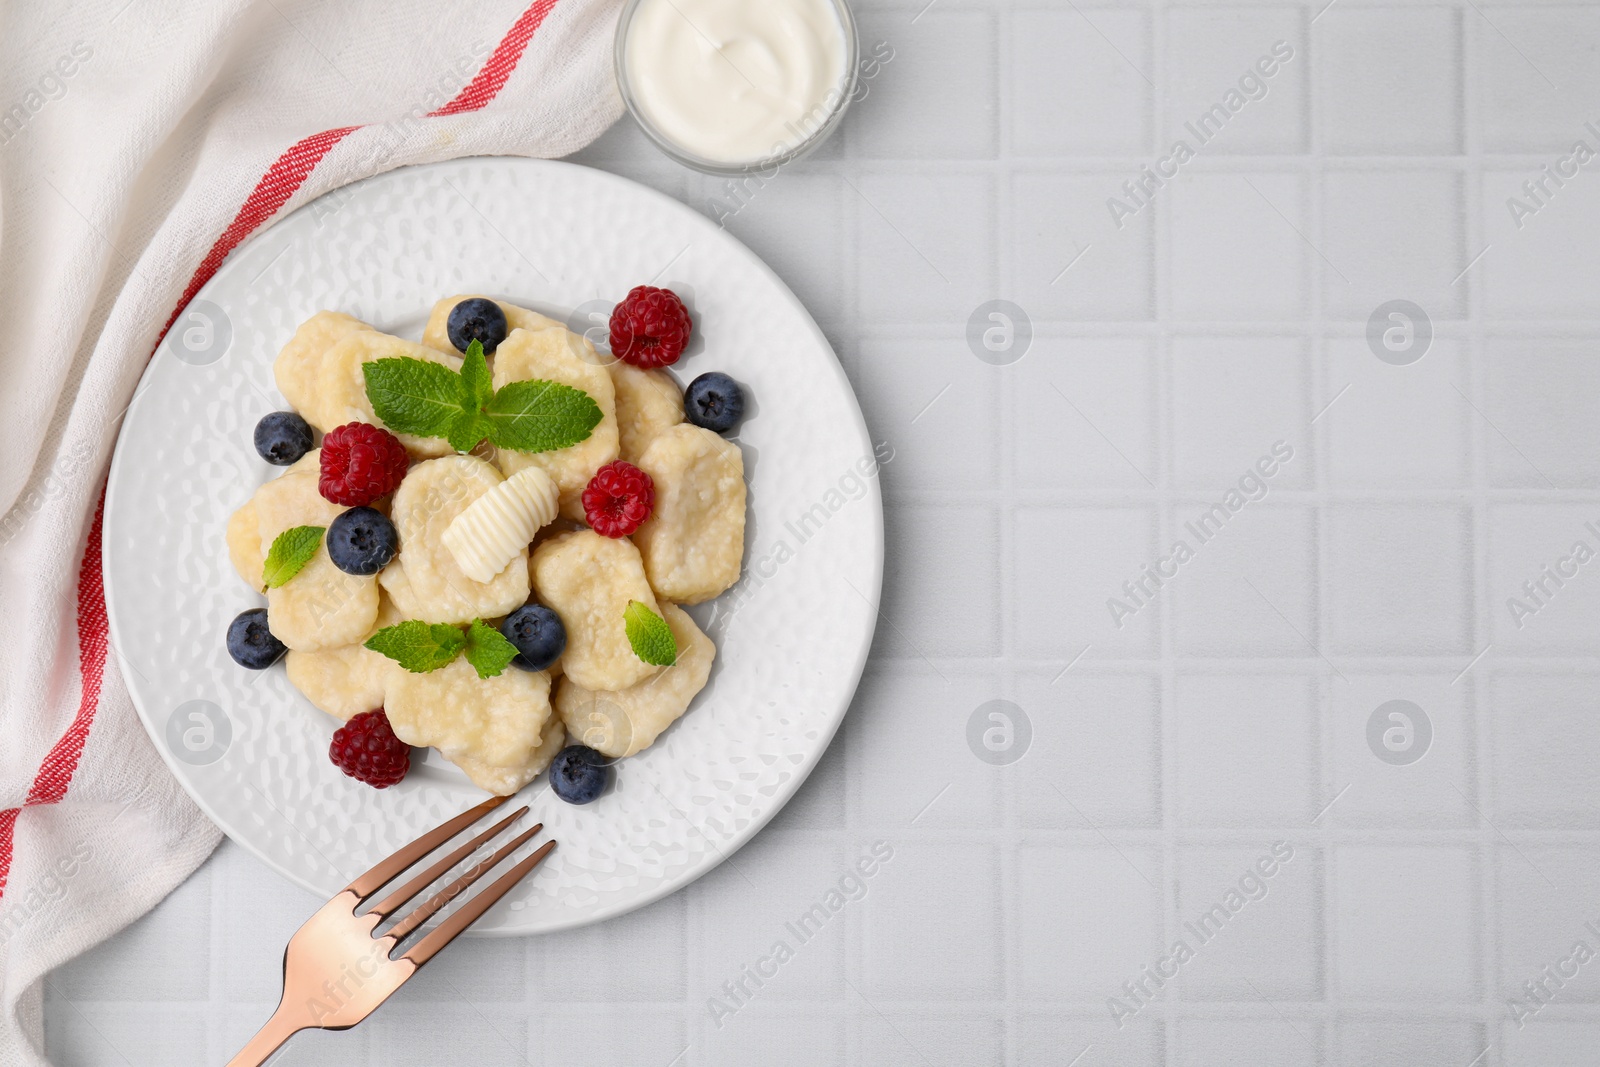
{"points": [[402, 929], [473, 910], [394, 901], [387, 870]]}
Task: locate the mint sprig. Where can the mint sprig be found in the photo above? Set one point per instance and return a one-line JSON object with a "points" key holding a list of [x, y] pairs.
{"points": [[649, 635], [427, 399], [422, 647], [290, 551]]}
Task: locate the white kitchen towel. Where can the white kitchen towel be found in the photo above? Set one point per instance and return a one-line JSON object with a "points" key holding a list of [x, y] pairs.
{"points": [[140, 142]]}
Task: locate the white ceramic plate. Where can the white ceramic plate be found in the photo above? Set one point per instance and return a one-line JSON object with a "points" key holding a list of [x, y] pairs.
{"points": [[791, 637]]}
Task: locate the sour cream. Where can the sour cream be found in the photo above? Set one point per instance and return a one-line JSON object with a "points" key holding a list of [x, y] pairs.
{"points": [[736, 82]]}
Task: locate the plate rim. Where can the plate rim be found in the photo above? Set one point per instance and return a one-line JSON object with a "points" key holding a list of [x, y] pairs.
{"points": [[872, 596]]}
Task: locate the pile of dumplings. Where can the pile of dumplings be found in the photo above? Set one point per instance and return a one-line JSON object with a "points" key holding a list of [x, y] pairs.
{"points": [[502, 731]]}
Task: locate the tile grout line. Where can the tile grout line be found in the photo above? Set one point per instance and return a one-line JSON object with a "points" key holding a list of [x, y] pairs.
{"points": [[1005, 285], [1109, 328], [1322, 388], [1486, 952], [1008, 287], [1010, 540], [1140, 834], [1160, 252]]}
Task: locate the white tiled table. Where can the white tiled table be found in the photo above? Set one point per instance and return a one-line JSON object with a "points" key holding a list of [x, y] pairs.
{"points": [[1231, 712]]}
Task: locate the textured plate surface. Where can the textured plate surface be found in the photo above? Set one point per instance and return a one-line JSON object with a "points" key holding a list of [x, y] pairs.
{"points": [[791, 637]]}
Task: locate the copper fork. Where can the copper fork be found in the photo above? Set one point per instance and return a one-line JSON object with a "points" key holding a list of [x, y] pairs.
{"points": [[337, 968]]}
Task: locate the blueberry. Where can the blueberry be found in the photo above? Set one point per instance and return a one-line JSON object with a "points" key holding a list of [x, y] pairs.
{"points": [[361, 541], [477, 320], [250, 643], [714, 401], [538, 634], [579, 774], [282, 438]]}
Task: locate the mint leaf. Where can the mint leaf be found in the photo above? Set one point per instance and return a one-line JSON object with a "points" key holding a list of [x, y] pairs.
{"points": [[475, 376], [537, 416], [649, 635], [467, 430], [290, 551], [469, 427], [418, 646], [487, 649], [416, 396]]}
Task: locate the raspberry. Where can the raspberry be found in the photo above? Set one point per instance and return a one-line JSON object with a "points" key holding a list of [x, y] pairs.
{"points": [[366, 749], [618, 499], [650, 327], [360, 463]]}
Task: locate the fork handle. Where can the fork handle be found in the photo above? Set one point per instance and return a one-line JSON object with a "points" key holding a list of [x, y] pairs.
{"points": [[268, 1040]]}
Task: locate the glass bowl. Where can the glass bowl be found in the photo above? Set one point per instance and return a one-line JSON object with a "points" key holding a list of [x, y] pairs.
{"points": [[711, 166]]}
